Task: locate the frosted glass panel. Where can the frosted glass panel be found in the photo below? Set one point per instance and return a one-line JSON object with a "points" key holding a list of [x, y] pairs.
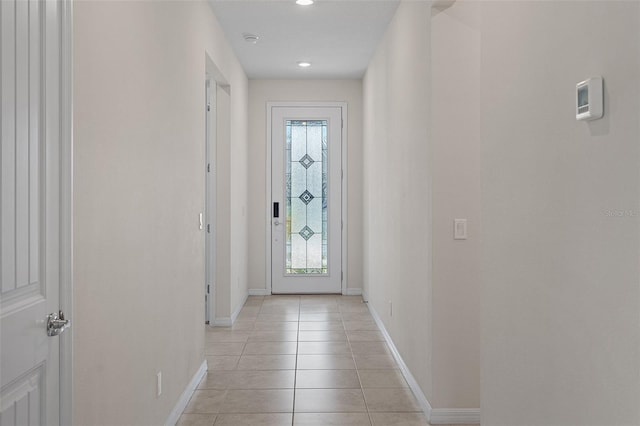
{"points": [[298, 178], [298, 214], [315, 179], [298, 253], [306, 197], [314, 214], [314, 252], [298, 141], [314, 145]]}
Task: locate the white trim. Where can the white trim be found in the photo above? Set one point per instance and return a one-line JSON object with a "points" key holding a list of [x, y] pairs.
{"points": [[66, 211], [268, 261], [259, 292], [449, 416], [175, 414], [207, 213], [234, 315], [413, 384], [344, 201], [353, 292], [217, 81], [222, 322], [210, 191], [228, 321], [455, 416]]}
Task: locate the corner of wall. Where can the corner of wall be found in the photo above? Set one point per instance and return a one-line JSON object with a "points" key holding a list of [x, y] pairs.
{"points": [[259, 292]]}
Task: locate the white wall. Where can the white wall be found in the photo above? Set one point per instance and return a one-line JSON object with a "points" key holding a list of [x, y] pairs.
{"points": [[263, 91], [397, 186], [422, 83], [561, 342], [239, 193], [455, 149], [139, 187]]}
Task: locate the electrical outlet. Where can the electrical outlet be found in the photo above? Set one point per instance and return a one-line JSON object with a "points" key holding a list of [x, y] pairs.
{"points": [[159, 383]]}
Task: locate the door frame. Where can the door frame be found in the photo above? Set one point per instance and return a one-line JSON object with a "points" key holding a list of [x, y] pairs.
{"points": [[211, 86], [217, 81], [269, 195], [66, 210]]}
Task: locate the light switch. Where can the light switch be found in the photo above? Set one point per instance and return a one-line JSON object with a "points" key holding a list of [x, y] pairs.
{"points": [[459, 229]]}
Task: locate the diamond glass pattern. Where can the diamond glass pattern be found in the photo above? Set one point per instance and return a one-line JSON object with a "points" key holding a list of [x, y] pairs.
{"points": [[306, 233], [306, 161], [306, 197]]}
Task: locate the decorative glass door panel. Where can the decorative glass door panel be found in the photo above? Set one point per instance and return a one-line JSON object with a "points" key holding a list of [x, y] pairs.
{"points": [[306, 181], [306, 197]]}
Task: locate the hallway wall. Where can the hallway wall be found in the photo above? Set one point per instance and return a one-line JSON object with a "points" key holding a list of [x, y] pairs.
{"points": [[397, 187], [139, 187], [422, 155], [263, 91], [455, 149], [561, 296]]}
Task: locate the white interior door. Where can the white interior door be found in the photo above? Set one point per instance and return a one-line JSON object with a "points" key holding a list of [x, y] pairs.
{"points": [[306, 218], [30, 38]]}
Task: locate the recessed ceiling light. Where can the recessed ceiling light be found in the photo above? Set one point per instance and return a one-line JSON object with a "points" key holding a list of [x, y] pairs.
{"points": [[304, 2], [304, 64], [250, 38]]}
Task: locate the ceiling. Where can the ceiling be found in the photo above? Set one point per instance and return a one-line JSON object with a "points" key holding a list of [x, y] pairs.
{"points": [[338, 37]]}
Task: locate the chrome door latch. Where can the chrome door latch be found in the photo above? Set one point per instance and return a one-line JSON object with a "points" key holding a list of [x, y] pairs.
{"points": [[56, 324]]}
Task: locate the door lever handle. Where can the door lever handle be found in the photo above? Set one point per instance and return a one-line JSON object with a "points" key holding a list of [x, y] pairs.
{"points": [[56, 324]]}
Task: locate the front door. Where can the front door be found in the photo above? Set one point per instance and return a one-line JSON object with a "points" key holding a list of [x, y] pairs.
{"points": [[306, 223], [30, 214]]}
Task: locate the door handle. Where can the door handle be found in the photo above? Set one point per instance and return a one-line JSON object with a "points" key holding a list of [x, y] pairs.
{"points": [[276, 222], [56, 324]]}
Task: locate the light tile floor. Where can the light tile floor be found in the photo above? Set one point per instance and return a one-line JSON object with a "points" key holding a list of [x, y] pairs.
{"points": [[301, 361]]}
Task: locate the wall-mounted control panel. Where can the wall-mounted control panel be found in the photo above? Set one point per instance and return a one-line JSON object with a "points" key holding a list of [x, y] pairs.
{"points": [[590, 99]]}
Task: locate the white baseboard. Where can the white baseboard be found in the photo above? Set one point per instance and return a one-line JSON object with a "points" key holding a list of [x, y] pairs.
{"points": [[222, 322], [228, 321], [450, 416], [174, 416], [353, 292], [455, 416], [259, 292], [234, 315], [413, 384]]}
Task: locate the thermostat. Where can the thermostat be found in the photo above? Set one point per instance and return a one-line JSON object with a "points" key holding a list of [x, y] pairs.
{"points": [[589, 99]]}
